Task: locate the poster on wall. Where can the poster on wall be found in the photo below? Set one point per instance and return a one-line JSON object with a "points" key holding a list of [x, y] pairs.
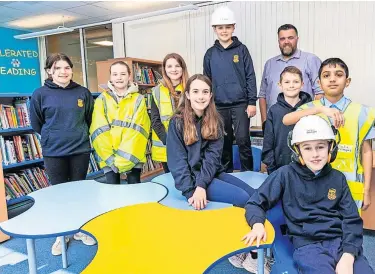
{"points": [[19, 63]]}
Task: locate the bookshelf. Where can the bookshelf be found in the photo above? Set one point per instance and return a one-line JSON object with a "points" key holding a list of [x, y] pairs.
{"points": [[147, 74], [21, 157]]}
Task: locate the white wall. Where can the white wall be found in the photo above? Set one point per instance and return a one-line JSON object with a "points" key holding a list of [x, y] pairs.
{"points": [[327, 29]]}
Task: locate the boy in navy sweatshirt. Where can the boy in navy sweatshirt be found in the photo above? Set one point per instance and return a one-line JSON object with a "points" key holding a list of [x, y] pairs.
{"points": [[229, 66], [322, 218], [275, 152]]}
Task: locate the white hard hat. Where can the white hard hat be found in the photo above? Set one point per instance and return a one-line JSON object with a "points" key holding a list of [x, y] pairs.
{"points": [[310, 128], [222, 16]]}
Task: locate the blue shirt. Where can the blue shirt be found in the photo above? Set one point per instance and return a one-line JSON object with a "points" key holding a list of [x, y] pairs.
{"points": [[341, 105], [309, 65]]}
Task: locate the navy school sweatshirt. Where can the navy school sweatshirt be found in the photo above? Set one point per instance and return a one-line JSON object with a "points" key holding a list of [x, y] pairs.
{"points": [[62, 116], [275, 152], [232, 74], [316, 207], [192, 165]]}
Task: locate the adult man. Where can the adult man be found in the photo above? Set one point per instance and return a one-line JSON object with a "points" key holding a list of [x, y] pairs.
{"points": [[290, 55]]}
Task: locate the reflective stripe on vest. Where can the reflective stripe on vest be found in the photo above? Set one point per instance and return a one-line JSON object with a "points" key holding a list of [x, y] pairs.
{"points": [[110, 160], [130, 125], [157, 143], [99, 131], [128, 156]]}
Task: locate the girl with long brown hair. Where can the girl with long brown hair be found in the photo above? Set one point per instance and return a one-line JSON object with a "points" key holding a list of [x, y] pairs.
{"points": [[194, 147], [165, 98]]}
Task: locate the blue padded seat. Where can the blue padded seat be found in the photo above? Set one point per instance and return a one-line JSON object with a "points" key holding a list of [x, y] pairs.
{"points": [[257, 155], [282, 247], [175, 199]]}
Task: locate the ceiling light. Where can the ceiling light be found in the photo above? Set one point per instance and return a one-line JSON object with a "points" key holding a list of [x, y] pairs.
{"points": [[153, 13], [105, 43], [44, 33], [42, 21]]}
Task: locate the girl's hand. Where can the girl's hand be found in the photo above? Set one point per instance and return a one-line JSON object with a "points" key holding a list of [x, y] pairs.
{"points": [[345, 264], [336, 116], [258, 233], [199, 198], [366, 200]]}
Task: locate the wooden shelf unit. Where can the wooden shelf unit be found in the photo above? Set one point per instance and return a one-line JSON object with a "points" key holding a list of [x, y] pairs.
{"points": [[102, 68]]}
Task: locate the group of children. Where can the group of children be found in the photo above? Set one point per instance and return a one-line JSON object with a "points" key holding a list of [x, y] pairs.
{"points": [[192, 138]]}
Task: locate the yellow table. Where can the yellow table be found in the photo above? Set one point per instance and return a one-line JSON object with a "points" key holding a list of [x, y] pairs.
{"points": [[152, 238]]}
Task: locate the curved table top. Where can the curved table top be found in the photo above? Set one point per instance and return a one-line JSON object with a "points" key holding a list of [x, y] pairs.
{"points": [[152, 238], [175, 199], [63, 209]]}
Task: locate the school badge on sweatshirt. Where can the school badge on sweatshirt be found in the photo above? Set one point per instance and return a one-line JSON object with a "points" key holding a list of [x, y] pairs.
{"points": [[80, 103], [236, 58], [332, 194]]}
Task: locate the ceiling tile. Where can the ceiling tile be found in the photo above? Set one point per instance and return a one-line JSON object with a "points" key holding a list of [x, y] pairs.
{"points": [[2, 3], [5, 11], [65, 4], [31, 7], [92, 11]]}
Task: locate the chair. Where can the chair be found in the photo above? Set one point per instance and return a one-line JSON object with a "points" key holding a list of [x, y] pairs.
{"points": [[282, 247], [257, 155]]}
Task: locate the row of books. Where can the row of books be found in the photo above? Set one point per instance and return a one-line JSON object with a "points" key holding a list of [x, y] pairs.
{"points": [[93, 166], [16, 149], [16, 115], [148, 98], [145, 75], [24, 182], [150, 165]]}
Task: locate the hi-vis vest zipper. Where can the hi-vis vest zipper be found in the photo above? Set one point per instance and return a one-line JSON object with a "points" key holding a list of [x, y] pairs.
{"points": [[120, 130], [359, 120], [165, 104]]}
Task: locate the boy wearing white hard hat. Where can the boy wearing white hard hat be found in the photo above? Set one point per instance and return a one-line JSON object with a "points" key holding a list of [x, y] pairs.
{"points": [[322, 218], [229, 66]]}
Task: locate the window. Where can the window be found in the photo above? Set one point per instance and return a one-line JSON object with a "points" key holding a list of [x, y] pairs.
{"points": [[98, 47], [68, 43]]}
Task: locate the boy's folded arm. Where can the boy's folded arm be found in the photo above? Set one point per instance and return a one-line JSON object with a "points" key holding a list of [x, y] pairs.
{"points": [[293, 117], [352, 224], [264, 198]]}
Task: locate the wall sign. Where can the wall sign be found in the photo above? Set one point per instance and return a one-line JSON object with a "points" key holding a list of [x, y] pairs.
{"points": [[19, 63]]}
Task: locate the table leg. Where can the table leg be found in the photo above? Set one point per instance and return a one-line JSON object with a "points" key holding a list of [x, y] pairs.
{"points": [[260, 261], [30, 245], [63, 252]]}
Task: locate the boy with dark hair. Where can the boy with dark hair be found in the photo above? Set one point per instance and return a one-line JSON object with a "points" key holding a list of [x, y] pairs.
{"points": [[321, 216], [355, 123], [229, 66], [275, 152]]}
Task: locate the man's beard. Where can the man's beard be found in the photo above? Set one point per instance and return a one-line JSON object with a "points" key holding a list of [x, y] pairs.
{"points": [[288, 54]]}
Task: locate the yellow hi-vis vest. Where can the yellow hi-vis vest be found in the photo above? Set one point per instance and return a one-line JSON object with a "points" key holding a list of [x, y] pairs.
{"points": [[165, 104], [359, 120], [120, 130]]}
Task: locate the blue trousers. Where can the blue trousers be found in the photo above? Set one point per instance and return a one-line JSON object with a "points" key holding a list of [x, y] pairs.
{"points": [[322, 258], [226, 188]]}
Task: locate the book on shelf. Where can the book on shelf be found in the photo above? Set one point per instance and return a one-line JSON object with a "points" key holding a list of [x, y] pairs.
{"points": [[150, 165], [93, 166], [16, 115], [25, 181], [20, 148], [144, 74], [148, 98]]}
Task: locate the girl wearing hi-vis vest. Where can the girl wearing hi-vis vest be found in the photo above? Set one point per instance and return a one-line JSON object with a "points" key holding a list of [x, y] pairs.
{"points": [[120, 127], [194, 146], [165, 98]]}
